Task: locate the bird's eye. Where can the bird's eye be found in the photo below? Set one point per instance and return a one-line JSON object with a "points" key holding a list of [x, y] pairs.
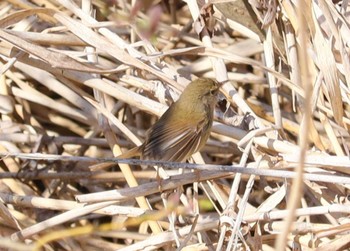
{"points": [[213, 91]]}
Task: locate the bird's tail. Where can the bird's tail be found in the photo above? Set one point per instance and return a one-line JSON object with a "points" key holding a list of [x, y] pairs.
{"points": [[134, 152]]}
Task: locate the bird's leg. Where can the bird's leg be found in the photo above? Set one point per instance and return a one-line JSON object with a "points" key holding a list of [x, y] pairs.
{"points": [[159, 180]]}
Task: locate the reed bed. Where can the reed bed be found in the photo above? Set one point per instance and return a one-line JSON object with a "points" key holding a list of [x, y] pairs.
{"points": [[82, 81]]}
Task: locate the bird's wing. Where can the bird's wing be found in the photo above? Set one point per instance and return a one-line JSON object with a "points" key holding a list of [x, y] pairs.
{"points": [[174, 141]]}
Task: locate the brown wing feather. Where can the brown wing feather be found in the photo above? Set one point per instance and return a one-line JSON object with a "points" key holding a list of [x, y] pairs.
{"points": [[173, 142], [181, 152]]}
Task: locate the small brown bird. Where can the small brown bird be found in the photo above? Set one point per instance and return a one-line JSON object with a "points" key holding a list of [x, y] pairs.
{"points": [[184, 128]]}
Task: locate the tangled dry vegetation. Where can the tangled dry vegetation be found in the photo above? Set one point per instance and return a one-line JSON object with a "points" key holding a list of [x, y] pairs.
{"points": [[82, 81]]}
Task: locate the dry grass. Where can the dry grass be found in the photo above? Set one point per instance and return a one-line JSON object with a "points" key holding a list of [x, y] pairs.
{"points": [[81, 84]]}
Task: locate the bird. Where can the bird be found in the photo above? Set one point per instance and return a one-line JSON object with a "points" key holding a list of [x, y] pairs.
{"points": [[185, 126]]}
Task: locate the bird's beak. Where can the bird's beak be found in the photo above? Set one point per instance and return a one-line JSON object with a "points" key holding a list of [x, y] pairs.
{"points": [[221, 84]]}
